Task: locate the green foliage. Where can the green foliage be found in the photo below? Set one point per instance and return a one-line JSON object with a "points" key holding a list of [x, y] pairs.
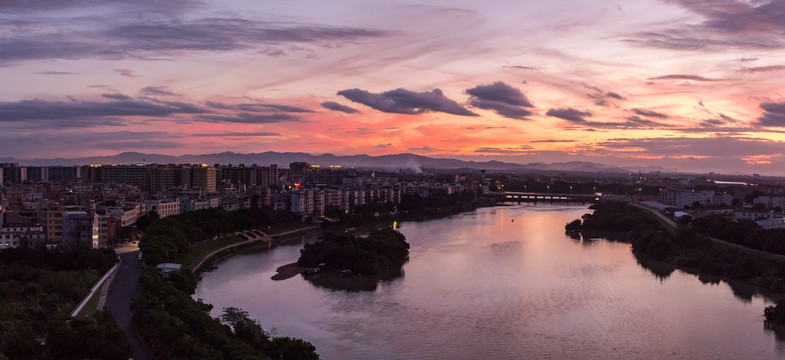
{"points": [[616, 216], [382, 253], [743, 232], [176, 327], [39, 289], [168, 238], [775, 314], [94, 337]]}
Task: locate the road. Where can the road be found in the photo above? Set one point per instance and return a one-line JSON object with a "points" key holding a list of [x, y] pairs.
{"points": [[123, 289], [672, 223]]}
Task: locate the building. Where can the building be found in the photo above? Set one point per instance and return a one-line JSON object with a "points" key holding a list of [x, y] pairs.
{"points": [[132, 174], [52, 221], [682, 198], [274, 175], [770, 201], [15, 235], [776, 223], [164, 208], [79, 228], [204, 177], [127, 214], [755, 215]]}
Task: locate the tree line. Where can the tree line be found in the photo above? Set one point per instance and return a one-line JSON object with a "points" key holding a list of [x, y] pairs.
{"points": [[382, 252], [174, 325], [39, 290], [685, 247], [168, 238]]}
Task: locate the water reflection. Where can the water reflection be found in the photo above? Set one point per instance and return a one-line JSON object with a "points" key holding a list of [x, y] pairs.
{"points": [[479, 285]]}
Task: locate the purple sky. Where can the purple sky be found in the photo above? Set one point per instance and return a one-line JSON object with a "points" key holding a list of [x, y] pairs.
{"points": [[691, 85]]}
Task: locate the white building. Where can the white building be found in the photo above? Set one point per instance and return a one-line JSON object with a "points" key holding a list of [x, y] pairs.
{"points": [[15, 235], [682, 198], [756, 215], [770, 201], [164, 208]]}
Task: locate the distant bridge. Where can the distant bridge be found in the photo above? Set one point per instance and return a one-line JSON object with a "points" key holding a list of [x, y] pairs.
{"points": [[512, 196]]}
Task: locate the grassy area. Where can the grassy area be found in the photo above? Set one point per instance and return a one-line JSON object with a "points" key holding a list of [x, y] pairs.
{"points": [[284, 228], [92, 305], [205, 247], [662, 222]]}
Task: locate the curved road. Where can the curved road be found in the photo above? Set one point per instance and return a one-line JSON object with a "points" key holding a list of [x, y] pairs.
{"points": [[122, 291], [672, 223]]}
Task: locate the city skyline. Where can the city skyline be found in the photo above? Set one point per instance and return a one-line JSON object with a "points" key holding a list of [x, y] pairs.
{"points": [[690, 85]]}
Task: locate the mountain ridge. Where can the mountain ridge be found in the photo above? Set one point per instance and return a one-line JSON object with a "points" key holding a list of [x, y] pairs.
{"points": [[392, 161]]}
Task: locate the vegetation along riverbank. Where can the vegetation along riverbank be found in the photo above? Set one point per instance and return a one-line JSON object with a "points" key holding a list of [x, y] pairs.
{"points": [[176, 326], [686, 248]]}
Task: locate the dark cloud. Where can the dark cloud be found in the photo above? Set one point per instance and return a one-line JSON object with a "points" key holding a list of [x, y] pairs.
{"points": [[520, 67], [650, 113], [718, 146], [124, 72], [773, 114], [504, 99], [637, 122], [88, 113], [522, 150], [257, 107], [172, 6], [402, 101], [148, 36], [424, 148], [764, 68], [246, 118], [117, 96], [286, 108], [682, 77], [570, 114], [241, 134], [503, 109], [552, 141], [332, 105], [599, 96], [500, 92], [382, 146], [726, 24], [157, 91]]}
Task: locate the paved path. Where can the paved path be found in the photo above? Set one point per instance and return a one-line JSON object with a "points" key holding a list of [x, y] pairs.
{"points": [[672, 223], [254, 238], [122, 291]]}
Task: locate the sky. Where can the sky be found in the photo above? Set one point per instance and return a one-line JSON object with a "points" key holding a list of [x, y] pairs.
{"points": [[692, 85]]}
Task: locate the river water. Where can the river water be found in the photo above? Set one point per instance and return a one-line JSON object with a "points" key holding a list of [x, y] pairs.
{"points": [[503, 283]]}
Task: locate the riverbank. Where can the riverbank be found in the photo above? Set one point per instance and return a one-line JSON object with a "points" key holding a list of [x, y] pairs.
{"points": [[683, 248], [252, 238], [516, 301]]}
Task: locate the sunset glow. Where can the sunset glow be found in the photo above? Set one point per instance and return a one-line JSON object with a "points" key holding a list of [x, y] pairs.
{"points": [[686, 85]]}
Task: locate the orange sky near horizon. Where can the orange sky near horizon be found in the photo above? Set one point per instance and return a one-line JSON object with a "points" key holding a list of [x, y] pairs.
{"points": [[676, 84]]}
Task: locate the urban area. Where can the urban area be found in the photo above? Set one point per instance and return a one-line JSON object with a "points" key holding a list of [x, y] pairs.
{"points": [[62, 207]]}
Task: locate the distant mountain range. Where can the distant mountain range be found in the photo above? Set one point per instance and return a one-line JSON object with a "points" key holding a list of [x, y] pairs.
{"points": [[398, 161]]}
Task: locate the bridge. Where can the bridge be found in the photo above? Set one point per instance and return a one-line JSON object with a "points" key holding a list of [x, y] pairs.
{"points": [[512, 196]]}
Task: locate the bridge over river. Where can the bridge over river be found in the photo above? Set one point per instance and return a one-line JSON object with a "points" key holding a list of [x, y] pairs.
{"points": [[537, 197]]}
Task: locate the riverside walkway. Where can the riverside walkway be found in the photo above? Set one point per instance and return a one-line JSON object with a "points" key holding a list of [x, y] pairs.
{"points": [[672, 223], [253, 236]]}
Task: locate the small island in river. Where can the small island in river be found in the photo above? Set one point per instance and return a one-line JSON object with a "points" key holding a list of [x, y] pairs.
{"points": [[349, 262]]}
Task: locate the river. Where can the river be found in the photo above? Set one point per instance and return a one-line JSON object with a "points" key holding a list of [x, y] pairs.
{"points": [[503, 283]]}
